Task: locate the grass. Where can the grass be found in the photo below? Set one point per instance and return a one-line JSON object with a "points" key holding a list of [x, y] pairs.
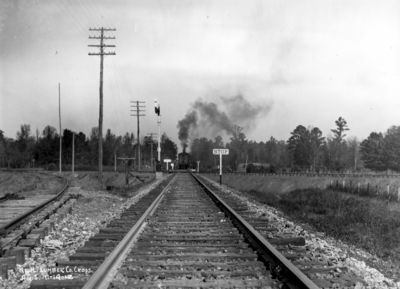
{"points": [[371, 224]]}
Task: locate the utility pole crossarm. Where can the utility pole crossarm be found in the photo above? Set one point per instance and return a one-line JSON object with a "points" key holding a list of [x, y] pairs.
{"points": [[106, 53], [125, 159], [102, 29], [101, 45], [104, 37]]}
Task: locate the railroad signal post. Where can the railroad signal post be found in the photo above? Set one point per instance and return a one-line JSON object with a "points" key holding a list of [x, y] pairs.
{"points": [[220, 152], [157, 110]]}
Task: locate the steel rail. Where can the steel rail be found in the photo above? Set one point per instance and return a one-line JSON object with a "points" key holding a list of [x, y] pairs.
{"points": [[4, 198], [298, 278], [101, 277], [15, 222]]}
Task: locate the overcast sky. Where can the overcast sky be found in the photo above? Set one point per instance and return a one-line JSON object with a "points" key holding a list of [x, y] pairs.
{"points": [[309, 61]]}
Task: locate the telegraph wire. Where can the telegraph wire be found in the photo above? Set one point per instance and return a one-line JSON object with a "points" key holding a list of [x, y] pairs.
{"points": [[80, 26]]}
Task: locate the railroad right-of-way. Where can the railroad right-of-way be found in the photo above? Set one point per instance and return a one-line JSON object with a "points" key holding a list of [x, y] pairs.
{"points": [[187, 236], [190, 242]]}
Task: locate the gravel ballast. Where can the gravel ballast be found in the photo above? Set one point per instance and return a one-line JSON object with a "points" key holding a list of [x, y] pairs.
{"points": [[92, 211], [319, 245]]}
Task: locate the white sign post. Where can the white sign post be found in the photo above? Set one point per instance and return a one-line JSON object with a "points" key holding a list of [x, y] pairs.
{"points": [[198, 166], [167, 161], [220, 152]]}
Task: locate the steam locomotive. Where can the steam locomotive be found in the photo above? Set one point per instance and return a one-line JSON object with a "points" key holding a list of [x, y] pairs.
{"points": [[183, 160]]}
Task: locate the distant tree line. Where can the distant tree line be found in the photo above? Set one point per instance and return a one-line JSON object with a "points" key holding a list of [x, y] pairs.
{"points": [[241, 152], [42, 149], [306, 150], [382, 151], [311, 151]]}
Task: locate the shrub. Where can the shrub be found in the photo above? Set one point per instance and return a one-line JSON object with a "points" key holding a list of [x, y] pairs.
{"points": [[260, 169], [365, 222], [52, 167]]}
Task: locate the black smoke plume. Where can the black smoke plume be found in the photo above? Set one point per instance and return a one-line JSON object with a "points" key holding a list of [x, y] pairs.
{"points": [[184, 125], [208, 120]]}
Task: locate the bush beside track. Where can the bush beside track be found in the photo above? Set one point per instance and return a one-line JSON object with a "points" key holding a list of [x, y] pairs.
{"points": [[283, 183]]}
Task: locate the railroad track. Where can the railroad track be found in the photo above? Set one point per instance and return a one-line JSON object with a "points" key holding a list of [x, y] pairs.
{"points": [[186, 236], [322, 270], [14, 207], [15, 212]]}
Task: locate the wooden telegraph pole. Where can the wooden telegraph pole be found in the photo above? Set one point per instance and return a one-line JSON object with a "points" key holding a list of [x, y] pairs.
{"points": [[115, 161], [73, 154], [136, 105], [102, 54], [59, 114]]}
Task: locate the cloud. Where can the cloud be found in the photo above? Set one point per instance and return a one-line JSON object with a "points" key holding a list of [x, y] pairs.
{"points": [[5, 7]]}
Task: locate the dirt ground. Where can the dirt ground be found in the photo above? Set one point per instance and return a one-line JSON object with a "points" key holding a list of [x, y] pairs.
{"points": [[25, 183], [112, 181], [36, 183]]}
